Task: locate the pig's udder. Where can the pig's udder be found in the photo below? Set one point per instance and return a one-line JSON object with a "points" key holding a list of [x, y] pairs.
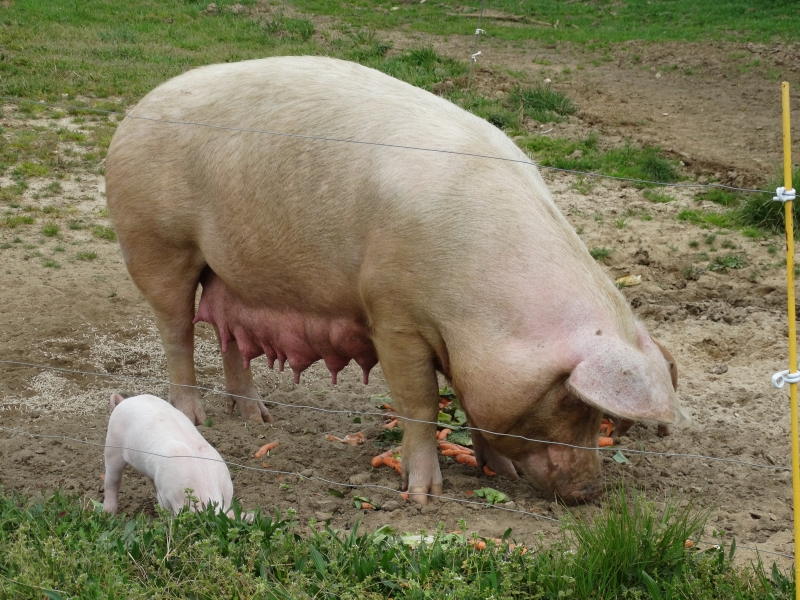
{"points": [[301, 338]]}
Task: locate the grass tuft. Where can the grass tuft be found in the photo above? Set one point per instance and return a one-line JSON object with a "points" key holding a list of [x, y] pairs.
{"points": [[86, 255], [600, 254], [50, 229], [104, 233], [542, 103]]}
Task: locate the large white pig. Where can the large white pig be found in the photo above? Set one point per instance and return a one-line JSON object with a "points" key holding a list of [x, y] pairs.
{"points": [[157, 440], [313, 245]]}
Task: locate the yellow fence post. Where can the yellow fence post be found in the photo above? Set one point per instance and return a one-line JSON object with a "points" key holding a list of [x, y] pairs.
{"points": [[786, 194]]}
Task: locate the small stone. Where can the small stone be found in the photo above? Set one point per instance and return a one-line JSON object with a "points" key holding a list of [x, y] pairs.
{"points": [[361, 478], [323, 516], [755, 515], [665, 473], [212, 9], [718, 369], [391, 505], [307, 472], [696, 489], [40, 451]]}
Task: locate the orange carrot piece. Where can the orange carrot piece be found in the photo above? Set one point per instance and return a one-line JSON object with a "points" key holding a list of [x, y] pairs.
{"points": [[442, 434], [604, 442], [390, 424], [377, 461], [454, 452], [265, 465], [444, 402], [443, 445], [688, 544], [391, 461], [387, 406], [488, 471], [404, 495], [266, 448], [367, 506], [466, 459]]}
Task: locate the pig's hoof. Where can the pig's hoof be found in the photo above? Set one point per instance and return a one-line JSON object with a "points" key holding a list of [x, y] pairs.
{"points": [[423, 494], [254, 410], [192, 408]]}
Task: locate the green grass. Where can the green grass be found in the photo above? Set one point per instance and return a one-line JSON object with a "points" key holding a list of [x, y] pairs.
{"points": [[86, 255], [104, 233], [61, 547], [12, 221], [657, 196], [541, 103], [50, 229], [600, 254], [729, 261], [647, 163], [593, 24]]}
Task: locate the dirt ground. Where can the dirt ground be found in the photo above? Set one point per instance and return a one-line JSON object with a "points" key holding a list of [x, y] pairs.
{"points": [[727, 330]]}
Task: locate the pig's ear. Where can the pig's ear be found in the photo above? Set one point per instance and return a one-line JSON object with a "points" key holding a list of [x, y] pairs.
{"points": [[115, 400], [623, 381]]}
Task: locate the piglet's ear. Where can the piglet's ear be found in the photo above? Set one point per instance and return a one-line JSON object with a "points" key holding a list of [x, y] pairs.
{"points": [[115, 400], [621, 380]]}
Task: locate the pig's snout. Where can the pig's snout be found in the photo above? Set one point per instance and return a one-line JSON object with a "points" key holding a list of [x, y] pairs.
{"points": [[571, 475]]}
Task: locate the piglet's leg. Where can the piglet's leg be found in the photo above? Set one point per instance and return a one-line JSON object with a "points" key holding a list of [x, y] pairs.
{"points": [[408, 366], [115, 464], [239, 382]]}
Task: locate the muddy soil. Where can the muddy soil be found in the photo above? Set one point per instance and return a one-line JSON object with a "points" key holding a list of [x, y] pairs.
{"points": [[726, 329]]}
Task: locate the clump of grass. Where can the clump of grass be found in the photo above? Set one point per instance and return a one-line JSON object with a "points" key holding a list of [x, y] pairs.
{"points": [[645, 163], [709, 218], [720, 196], [12, 221], [694, 244], [282, 26], [51, 264], [729, 261], [541, 103], [50, 229], [657, 196], [86, 255], [75, 225], [104, 233], [621, 223], [600, 254]]}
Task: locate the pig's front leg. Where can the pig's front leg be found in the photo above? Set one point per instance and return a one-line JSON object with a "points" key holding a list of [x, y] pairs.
{"points": [[239, 382], [487, 456], [115, 464], [408, 366]]}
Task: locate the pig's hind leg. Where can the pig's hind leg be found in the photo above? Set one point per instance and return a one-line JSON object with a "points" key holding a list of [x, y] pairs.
{"points": [[239, 383], [407, 363]]}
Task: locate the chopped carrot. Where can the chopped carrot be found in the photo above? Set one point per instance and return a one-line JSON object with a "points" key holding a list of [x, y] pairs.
{"points": [[466, 459], [390, 425], [265, 448], [377, 461], [488, 471], [443, 445], [604, 442], [454, 452], [367, 506], [387, 406], [404, 495], [469, 493], [265, 465], [442, 434], [688, 544], [391, 461], [444, 402]]}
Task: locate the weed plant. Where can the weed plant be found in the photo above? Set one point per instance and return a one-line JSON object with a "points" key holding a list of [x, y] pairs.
{"points": [[63, 547]]}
